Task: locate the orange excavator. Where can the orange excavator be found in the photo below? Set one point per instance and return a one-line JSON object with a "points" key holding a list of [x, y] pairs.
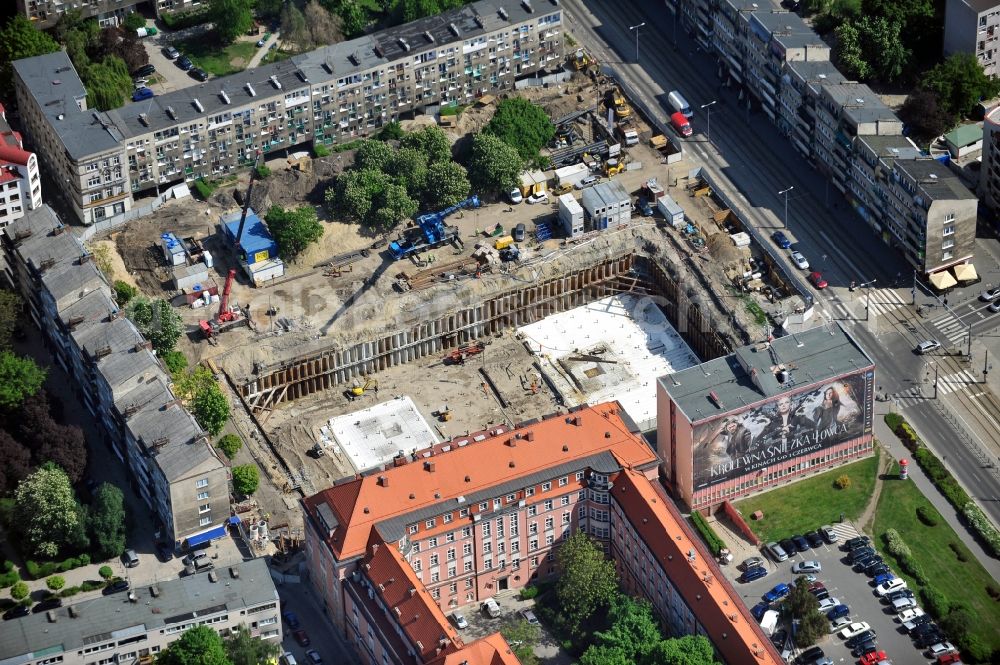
{"points": [[227, 317]]}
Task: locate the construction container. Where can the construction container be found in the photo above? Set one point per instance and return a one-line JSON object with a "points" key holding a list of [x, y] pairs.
{"points": [[570, 215], [198, 292], [503, 242], [572, 175], [185, 276], [173, 249], [606, 205], [671, 211]]}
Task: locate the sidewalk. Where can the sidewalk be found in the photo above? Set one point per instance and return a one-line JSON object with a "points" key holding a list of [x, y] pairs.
{"points": [[262, 51], [895, 448]]}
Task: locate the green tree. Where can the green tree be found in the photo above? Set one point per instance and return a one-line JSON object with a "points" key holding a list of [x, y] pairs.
{"points": [[603, 655], [494, 166], [245, 649], [270, 8], [20, 39], [375, 155], [355, 192], [246, 478], [923, 114], [587, 580], [124, 292], [633, 630], [813, 627], [522, 636], [10, 316], [957, 622], [134, 21], [394, 204], [448, 183], [45, 511], [959, 83], [175, 361], [189, 384], [197, 646], [55, 583], [849, 52], [157, 321], [687, 650], [431, 141], [20, 378], [883, 47], [293, 26], [410, 168], [521, 124], [230, 444], [232, 18], [800, 601], [107, 521], [391, 131], [108, 83], [19, 591], [293, 229], [354, 18], [211, 408]]}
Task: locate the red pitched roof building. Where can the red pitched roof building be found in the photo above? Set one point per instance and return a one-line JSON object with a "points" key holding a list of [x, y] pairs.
{"points": [[20, 184]]}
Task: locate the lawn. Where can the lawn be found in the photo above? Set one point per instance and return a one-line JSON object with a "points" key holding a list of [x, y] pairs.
{"points": [[961, 582], [215, 59], [808, 504]]}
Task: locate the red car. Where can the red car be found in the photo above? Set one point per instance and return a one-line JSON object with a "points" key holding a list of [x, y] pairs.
{"points": [[816, 586], [301, 637], [873, 657], [820, 283], [948, 658]]}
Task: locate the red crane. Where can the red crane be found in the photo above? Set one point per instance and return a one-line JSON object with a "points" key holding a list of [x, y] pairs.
{"points": [[227, 317]]}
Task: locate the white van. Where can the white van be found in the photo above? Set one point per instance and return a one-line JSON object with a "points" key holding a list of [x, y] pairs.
{"points": [[679, 104]]}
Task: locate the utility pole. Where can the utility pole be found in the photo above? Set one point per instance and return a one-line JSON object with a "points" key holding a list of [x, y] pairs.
{"points": [[785, 192], [708, 124], [636, 29]]}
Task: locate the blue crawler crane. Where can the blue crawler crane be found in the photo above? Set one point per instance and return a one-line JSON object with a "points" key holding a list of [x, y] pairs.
{"points": [[429, 231]]}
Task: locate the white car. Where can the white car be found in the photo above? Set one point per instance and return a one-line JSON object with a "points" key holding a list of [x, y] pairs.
{"points": [[530, 617], [807, 567], [538, 197], [515, 196], [587, 182], [828, 604], [940, 649], [459, 620], [491, 608], [855, 628], [838, 625], [909, 615], [800, 260], [890, 586]]}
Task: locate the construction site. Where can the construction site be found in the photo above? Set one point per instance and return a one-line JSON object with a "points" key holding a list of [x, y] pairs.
{"points": [[374, 349]]}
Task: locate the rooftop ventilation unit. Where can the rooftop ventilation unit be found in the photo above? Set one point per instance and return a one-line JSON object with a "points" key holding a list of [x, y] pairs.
{"points": [[428, 36], [403, 44], [225, 97], [354, 59], [275, 82], [302, 76], [454, 30], [328, 67], [144, 119], [197, 105], [502, 12], [527, 6], [171, 112], [251, 91], [379, 52]]}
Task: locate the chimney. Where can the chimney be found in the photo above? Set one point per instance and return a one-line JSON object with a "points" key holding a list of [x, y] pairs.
{"points": [[51, 616], [512, 442], [529, 435], [155, 591], [145, 344], [383, 481], [429, 466], [413, 592], [101, 352]]}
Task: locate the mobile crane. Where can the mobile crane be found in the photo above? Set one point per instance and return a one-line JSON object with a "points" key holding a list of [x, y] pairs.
{"points": [[430, 231], [227, 317]]}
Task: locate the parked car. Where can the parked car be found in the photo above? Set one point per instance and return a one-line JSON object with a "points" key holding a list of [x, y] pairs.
{"points": [[752, 562], [519, 232], [876, 569], [807, 567], [165, 551], [458, 619], [860, 553], [491, 608], [866, 647], [313, 657], [117, 586], [930, 639], [194, 557], [757, 611], [800, 261], [777, 593], [755, 573], [904, 603], [861, 565], [860, 638], [589, 181], [789, 546], [46, 605], [949, 658], [990, 294], [130, 558], [855, 628], [820, 594], [779, 638], [896, 595], [776, 551], [198, 73], [815, 540], [924, 629], [838, 612], [145, 70], [287, 659], [883, 578], [184, 62], [994, 306], [530, 617], [801, 544], [890, 586], [19, 611], [538, 197], [515, 196], [810, 655], [828, 604], [302, 637], [817, 280], [852, 544], [261, 42], [839, 624], [815, 586], [171, 52], [829, 535], [781, 240], [645, 209], [907, 615], [291, 619], [142, 93], [873, 658], [912, 624], [927, 346]]}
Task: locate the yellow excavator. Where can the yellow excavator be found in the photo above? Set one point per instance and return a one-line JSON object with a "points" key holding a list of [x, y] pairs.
{"points": [[359, 389]]}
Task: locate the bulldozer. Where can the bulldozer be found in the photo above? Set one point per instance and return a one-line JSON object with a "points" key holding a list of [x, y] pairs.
{"points": [[359, 389], [580, 60]]}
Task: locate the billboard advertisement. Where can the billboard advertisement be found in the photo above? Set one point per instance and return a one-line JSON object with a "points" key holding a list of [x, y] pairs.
{"points": [[794, 424]]}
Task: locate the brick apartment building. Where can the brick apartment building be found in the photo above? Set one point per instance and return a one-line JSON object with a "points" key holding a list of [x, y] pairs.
{"points": [[335, 94], [391, 552], [20, 184]]}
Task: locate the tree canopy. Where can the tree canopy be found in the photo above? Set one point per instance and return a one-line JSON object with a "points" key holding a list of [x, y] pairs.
{"points": [[242, 648], [10, 317], [157, 321], [20, 39], [232, 18], [107, 521], [804, 606], [246, 478], [229, 444], [197, 646], [494, 166], [959, 83], [108, 83], [871, 47], [523, 125], [687, 650], [210, 408], [923, 115], [46, 511], [20, 378], [522, 636], [587, 580], [293, 229], [633, 631]]}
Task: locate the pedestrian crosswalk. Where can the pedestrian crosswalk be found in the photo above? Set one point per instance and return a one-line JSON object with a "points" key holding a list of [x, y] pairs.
{"points": [[845, 531], [882, 301], [957, 381], [951, 328]]}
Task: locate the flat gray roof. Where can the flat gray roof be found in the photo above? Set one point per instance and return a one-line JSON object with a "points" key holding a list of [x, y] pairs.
{"points": [[859, 102], [110, 618], [935, 179], [185, 446], [788, 29], [890, 148], [746, 376]]}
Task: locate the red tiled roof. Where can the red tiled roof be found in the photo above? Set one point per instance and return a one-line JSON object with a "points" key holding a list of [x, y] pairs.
{"points": [[490, 650], [361, 503], [706, 591], [408, 599], [14, 155]]}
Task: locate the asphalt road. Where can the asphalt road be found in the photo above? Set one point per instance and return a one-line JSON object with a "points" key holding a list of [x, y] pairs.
{"points": [[747, 152]]}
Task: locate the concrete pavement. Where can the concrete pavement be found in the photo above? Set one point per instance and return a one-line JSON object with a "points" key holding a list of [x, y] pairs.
{"points": [[274, 40]]}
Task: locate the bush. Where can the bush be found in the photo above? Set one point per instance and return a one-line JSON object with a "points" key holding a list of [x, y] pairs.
{"points": [[715, 544], [935, 603], [320, 150], [68, 564], [9, 577], [993, 591], [942, 478], [182, 20], [973, 649], [529, 592], [105, 572], [175, 361], [55, 582], [893, 420], [230, 444], [69, 591], [895, 543], [263, 171], [843, 482], [124, 292], [92, 585], [84, 559], [245, 479], [927, 516], [203, 188], [910, 567], [19, 591], [959, 554], [908, 437], [983, 527]]}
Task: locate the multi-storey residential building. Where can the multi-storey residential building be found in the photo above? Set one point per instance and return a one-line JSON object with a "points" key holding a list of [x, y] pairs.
{"points": [[989, 173], [46, 13], [973, 26], [20, 184], [390, 552], [134, 626], [782, 68], [334, 94], [118, 378]]}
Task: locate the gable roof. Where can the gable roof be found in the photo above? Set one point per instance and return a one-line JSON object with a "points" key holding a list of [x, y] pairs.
{"points": [[348, 511], [490, 650]]}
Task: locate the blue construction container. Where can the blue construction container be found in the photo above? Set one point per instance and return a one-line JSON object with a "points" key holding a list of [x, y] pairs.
{"points": [[256, 245]]}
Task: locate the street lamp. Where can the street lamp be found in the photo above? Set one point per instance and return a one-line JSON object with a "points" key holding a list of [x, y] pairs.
{"points": [[867, 286], [708, 124], [785, 192], [636, 29]]}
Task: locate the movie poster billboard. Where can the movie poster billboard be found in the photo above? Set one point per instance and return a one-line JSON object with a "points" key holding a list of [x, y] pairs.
{"points": [[793, 425]]}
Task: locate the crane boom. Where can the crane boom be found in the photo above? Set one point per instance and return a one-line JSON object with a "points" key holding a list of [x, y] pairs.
{"points": [[246, 201]]}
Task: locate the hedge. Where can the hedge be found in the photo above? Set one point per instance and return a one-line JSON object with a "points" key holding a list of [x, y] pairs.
{"points": [[92, 585], [320, 150], [926, 515], [942, 478], [982, 526], [203, 188], [901, 552], [182, 20], [935, 603], [70, 591], [893, 420], [37, 571], [715, 544], [9, 576]]}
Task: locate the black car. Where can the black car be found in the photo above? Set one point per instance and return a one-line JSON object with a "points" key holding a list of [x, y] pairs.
{"points": [[919, 621], [779, 639], [198, 73], [925, 628], [184, 63], [16, 612], [854, 543], [868, 646], [809, 655], [929, 639], [145, 70], [878, 569], [860, 553], [821, 594], [815, 540], [789, 546], [801, 544], [165, 552], [861, 565], [116, 587], [861, 638], [46, 605]]}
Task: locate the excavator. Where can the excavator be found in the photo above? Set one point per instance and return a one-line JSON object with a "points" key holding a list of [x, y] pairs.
{"points": [[359, 389]]}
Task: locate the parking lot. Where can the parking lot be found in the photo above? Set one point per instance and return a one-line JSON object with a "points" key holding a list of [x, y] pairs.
{"points": [[481, 625], [854, 589], [169, 76]]}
